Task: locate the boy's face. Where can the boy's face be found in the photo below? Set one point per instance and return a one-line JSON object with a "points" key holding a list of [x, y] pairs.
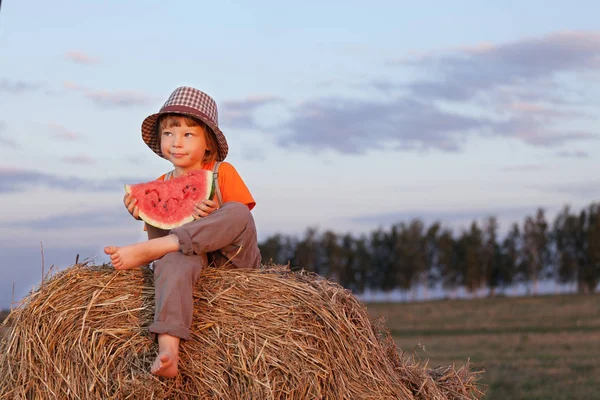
{"points": [[185, 146]]}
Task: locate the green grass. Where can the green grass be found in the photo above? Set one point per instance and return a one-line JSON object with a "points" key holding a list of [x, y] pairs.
{"points": [[544, 347]]}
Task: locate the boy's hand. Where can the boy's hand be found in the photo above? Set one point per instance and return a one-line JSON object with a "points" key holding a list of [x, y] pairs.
{"points": [[204, 208], [131, 205]]}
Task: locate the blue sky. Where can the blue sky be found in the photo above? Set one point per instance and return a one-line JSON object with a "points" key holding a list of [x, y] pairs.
{"points": [[340, 115]]}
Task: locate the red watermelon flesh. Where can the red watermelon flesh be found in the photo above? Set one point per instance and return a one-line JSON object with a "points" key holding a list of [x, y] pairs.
{"points": [[169, 204]]}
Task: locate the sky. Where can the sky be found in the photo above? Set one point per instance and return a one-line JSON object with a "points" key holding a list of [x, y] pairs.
{"points": [[344, 116]]}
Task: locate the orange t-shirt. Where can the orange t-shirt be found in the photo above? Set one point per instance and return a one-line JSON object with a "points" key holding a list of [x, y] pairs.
{"points": [[231, 184]]}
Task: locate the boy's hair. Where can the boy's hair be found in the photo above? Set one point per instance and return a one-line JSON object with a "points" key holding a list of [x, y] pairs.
{"points": [[169, 120]]}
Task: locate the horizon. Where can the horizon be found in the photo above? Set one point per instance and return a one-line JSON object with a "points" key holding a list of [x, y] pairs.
{"points": [[339, 116]]}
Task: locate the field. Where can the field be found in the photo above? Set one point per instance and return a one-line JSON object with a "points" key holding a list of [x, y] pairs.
{"points": [[545, 347]]}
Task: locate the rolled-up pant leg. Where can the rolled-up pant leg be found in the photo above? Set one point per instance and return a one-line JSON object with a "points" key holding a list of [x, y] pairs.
{"points": [[230, 233], [174, 277]]}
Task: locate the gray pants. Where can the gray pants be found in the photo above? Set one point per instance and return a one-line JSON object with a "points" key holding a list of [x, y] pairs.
{"points": [[228, 233]]}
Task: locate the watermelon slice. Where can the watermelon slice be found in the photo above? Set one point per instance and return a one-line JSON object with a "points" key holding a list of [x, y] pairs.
{"points": [[169, 204]]}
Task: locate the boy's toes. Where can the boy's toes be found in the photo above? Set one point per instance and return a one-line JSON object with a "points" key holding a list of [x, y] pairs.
{"points": [[110, 249]]}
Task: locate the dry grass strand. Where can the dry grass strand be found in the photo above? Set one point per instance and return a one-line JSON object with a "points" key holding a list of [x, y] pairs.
{"points": [[263, 334]]}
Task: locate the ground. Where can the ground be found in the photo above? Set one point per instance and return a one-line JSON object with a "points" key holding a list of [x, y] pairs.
{"points": [[531, 348], [543, 347]]}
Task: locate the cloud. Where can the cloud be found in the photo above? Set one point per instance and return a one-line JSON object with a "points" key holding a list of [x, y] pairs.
{"points": [[81, 58], [386, 86], [111, 99], [62, 133], [469, 71], [573, 154], [5, 140], [118, 99], [525, 167], [135, 159], [19, 180], [72, 86], [585, 190], [357, 126], [518, 80], [254, 153], [80, 160], [532, 131], [513, 90], [240, 113], [81, 220], [19, 87]]}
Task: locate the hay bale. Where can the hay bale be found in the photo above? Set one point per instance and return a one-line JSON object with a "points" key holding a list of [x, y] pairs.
{"points": [[257, 334]]}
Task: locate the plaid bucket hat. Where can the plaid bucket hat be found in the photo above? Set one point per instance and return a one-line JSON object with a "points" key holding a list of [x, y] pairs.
{"points": [[191, 102]]}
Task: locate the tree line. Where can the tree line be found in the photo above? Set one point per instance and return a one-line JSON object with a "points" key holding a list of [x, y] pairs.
{"points": [[411, 254]]}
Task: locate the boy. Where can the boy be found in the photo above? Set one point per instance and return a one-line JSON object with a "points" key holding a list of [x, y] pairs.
{"points": [[185, 132]]}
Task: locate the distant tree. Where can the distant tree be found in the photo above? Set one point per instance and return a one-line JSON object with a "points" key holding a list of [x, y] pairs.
{"points": [[332, 262], [577, 240], [355, 263], [287, 249], [590, 268], [348, 274], [473, 246], [449, 254], [568, 237], [409, 254], [277, 249], [381, 248], [432, 272], [593, 245], [510, 256], [491, 257], [362, 271], [307, 254], [586, 279], [400, 257], [535, 247]]}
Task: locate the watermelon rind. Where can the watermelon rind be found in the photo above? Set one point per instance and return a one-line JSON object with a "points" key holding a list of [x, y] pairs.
{"points": [[210, 185], [147, 219]]}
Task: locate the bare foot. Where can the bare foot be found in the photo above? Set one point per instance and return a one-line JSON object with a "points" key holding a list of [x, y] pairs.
{"points": [[165, 364], [138, 254]]}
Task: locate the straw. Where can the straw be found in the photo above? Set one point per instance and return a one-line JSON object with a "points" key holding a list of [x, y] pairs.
{"points": [[268, 333]]}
